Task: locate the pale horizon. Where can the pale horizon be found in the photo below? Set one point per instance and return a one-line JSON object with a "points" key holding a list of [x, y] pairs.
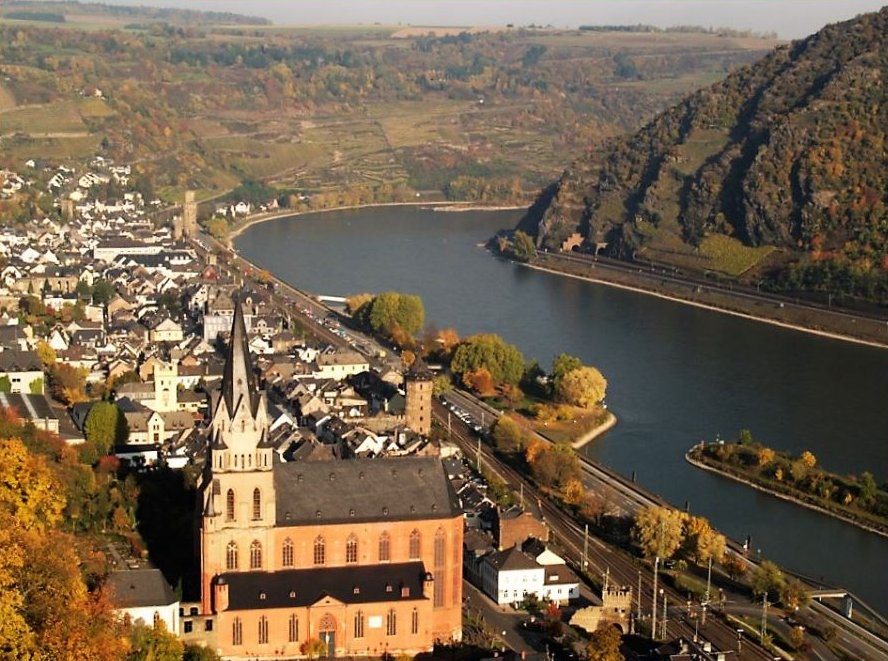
{"points": [[790, 19]]}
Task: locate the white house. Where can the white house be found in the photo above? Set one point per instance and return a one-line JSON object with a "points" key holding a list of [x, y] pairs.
{"points": [[509, 576], [144, 595], [339, 365]]}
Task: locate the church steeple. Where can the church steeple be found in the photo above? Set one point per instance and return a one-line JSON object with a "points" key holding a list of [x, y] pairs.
{"points": [[238, 382]]}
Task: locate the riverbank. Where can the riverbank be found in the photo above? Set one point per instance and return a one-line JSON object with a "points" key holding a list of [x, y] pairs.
{"points": [[610, 421], [442, 206], [726, 305], [835, 513]]}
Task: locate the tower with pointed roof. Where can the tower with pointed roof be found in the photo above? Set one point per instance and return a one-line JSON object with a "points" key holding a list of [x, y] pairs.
{"points": [[238, 495]]}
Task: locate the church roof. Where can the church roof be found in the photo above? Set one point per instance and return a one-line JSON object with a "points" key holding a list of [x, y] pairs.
{"points": [[238, 380], [353, 584], [397, 489]]}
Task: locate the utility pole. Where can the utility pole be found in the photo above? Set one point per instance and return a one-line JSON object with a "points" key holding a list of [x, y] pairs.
{"points": [[654, 600], [522, 496], [479, 454], [638, 599], [764, 618], [585, 546], [607, 575], [663, 637], [448, 425], [708, 579]]}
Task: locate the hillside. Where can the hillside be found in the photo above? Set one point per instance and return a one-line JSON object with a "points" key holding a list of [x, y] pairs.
{"points": [[776, 175], [343, 114]]}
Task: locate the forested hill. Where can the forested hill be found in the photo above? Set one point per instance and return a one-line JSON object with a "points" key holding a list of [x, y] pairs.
{"points": [[51, 11], [778, 172]]}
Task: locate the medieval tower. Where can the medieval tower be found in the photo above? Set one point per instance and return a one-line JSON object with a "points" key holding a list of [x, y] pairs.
{"points": [[418, 384]]}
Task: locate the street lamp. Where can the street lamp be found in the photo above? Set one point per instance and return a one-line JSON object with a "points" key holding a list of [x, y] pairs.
{"points": [[739, 639]]}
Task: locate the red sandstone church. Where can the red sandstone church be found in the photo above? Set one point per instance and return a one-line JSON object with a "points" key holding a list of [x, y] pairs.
{"points": [[364, 556]]}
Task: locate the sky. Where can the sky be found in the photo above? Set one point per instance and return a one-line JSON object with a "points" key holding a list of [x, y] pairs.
{"points": [[790, 19]]}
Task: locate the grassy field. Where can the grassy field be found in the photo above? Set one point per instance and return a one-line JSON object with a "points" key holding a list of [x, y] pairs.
{"points": [[53, 118]]}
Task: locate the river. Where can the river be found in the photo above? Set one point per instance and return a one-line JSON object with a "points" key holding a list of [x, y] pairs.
{"points": [[677, 374]]}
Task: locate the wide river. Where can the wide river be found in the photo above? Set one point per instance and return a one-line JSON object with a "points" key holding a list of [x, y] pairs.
{"points": [[676, 374]]}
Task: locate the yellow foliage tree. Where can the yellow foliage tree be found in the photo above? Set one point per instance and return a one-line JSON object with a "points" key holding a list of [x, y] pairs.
{"points": [[583, 386], [658, 531], [808, 459], [765, 456], [573, 492], [29, 491], [701, 542]]}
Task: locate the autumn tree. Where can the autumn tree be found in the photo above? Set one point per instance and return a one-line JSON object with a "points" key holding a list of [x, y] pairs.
{"points": [[793, 594], [46, 354], [658, 531], [313, 648], [555, 465], [735, 565], [604, 644], [105, 427], [354, 304], [28, 489], [584, 387], [701, 543], [764, 456], [67, 383]]}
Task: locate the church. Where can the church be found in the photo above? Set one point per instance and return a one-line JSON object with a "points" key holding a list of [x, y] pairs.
{"points": [[350, 557]]}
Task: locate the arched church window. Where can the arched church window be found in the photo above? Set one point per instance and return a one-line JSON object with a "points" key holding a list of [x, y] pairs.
{"points": [[351, 549], [320, 551], [255, 555], [287, 559], [229, 505], [231, 556], [257, 504]]}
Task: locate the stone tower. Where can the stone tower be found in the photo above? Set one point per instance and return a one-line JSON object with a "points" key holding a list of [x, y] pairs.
{"points": [[418, 409], [237, 486], [166, 378], [189, 215]]}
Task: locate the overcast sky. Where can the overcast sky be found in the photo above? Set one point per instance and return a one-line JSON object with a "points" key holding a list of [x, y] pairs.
{"points": [[789, 18]]}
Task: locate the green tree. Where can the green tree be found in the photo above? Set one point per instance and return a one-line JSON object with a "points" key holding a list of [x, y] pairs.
{"points": [[392, 312], [36, 386], [767, 578], [199, 653], [441, 385], [659, 531], [523, 248], [105, 427], [584, 387], [154, 644], [745, 437], [563, 364], [504, 361], [508, 436], [102, 292], [604, 644], [867, 489], [5, 384]]}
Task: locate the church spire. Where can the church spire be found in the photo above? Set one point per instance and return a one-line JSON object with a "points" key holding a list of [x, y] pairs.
{"points": [[238, 381]]}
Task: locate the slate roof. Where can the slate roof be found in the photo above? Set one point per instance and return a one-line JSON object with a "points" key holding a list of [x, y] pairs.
{"points": [[13, 360], [399, 489], [32, 407], [356, 584], [512, 559], [238, 379], [140, 588]]}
